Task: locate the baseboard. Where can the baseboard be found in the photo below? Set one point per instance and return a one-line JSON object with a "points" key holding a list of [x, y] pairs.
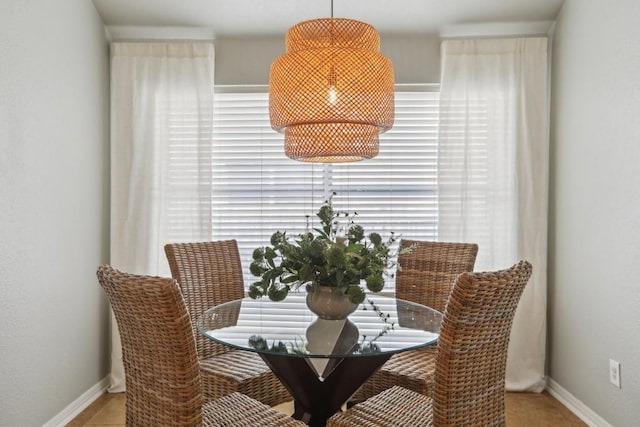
{"points": [[581, 410], [80, 404]]}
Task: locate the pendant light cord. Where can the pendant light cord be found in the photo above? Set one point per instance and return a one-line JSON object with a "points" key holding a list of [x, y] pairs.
{"points": [[331, 9]]}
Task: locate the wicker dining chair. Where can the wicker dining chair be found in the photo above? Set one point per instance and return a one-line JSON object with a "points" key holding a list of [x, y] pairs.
{"points": [[470, 363], [210, 273], [426, 276], [162, 372]]}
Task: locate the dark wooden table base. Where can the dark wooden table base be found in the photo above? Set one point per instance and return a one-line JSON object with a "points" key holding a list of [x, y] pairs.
{"points": [[317, 399]]}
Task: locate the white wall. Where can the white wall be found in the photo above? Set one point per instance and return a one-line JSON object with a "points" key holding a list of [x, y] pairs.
{"points": [[53, 206], [247, 61], [594, 277]]}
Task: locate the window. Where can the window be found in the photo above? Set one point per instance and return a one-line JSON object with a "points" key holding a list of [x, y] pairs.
{"points": [[258, 190]]}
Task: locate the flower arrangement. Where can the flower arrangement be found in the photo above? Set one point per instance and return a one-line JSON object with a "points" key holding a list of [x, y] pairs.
{"points": [[337, 256]]}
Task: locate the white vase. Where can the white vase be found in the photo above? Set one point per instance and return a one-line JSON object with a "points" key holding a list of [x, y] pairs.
{"points": [[329, 303]]}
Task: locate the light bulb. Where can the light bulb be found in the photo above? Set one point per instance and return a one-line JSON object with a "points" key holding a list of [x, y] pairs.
{"points": [[331, 80], [333, 95]]}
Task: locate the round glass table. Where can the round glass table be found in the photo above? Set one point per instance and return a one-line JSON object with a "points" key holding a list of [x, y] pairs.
{"points": [[321, 362]]}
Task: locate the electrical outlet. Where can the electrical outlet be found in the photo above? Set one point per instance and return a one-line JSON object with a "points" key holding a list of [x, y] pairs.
{"points": [[614, 373]]}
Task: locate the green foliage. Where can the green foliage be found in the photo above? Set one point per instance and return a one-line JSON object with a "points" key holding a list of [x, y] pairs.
{"points": [[324, 259]]}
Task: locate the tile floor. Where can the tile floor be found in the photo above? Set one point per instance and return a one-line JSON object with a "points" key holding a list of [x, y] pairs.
{"points": [[523, 410]]}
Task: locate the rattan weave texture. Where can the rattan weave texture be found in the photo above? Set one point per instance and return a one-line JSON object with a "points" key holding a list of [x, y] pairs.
{"points": [[210, 273], [335, 32], [239, 410], [470, 365], [160, 360], [394, 407], [426, 277], [332, 93], [429, 271]]}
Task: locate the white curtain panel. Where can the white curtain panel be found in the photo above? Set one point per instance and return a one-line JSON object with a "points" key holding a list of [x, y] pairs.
{"points": [[493, 174], [161, 95]]}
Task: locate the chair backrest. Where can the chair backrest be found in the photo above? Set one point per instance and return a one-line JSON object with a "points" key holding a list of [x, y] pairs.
{"points": [[158, 348], [472, 348], [427, 273], [209, 273]]}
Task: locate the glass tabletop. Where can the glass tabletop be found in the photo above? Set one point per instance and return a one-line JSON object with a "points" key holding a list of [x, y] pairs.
{"points": [[380, 325]]}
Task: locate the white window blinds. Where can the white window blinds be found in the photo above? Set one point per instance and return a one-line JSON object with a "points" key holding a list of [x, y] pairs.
{"points": [[257, 190]]}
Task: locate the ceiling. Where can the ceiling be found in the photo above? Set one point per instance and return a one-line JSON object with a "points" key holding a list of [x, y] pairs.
{"points": [[250, 18]]}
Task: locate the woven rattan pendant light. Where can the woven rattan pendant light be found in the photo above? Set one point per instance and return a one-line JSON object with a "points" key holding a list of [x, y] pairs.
{"points": [[332, 93]]}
